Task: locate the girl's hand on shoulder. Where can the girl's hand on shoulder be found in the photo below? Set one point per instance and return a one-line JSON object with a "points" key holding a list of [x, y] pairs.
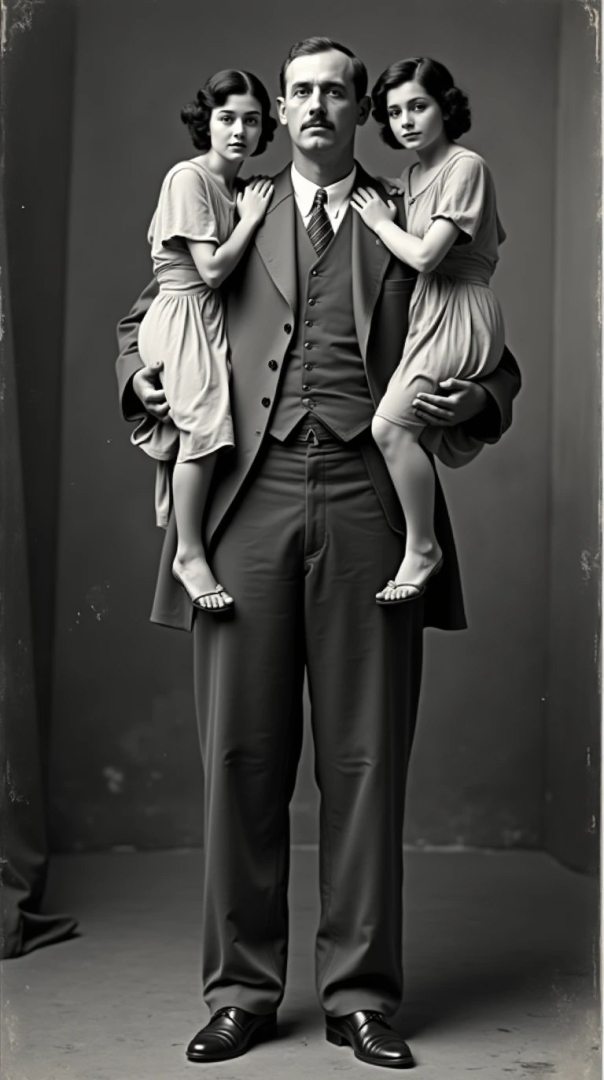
{"points": [[253, 201], [373, 210], [392, 184]]}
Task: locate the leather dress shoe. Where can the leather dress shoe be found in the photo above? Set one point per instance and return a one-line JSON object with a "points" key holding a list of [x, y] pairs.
{"points": [[371, 1038], [230, 1033]]}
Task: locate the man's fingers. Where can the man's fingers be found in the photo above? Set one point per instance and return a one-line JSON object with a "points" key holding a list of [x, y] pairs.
{"points": [[432, 411], [434, 401], [452, 384], [155, 397], [434, 416]]}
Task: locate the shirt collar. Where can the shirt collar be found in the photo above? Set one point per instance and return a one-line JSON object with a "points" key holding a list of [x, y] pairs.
{"points": [[338, 194]]}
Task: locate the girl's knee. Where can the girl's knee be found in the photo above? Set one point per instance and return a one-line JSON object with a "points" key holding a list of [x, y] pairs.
{"points": [[381, 431], [388, 436]]}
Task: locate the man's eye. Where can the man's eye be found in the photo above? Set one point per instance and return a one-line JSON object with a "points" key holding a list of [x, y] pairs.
{"points": [[300, 92]]}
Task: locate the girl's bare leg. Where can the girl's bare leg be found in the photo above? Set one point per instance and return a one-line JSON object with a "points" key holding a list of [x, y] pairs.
{"points": [[411, 473], [190, 486]]}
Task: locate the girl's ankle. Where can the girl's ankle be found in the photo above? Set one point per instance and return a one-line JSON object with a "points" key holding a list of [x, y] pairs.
{"points": [[182, 558]]}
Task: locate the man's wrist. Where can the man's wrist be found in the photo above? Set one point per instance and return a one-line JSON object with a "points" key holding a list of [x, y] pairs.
{"points": [[482, 398]]}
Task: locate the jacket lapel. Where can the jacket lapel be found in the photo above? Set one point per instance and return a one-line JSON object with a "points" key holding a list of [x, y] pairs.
{"points": [[370, 260], [276, 245], [275, 239]]}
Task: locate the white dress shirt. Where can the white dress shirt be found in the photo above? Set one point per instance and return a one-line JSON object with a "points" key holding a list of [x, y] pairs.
{"points": [[338, 196]]}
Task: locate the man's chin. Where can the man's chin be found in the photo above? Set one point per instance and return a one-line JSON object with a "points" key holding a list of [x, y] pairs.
{"points": [[317, 139]]}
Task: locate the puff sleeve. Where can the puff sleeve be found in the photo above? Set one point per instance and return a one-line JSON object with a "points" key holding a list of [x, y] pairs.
{"points": [[465, 192], [185, 209]]}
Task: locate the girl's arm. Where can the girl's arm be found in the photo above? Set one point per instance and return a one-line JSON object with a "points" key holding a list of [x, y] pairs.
{"points": [[215, 262], [422, 253]]}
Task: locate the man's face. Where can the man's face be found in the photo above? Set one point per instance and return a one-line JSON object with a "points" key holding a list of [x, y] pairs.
{"points": [[320, 108]]}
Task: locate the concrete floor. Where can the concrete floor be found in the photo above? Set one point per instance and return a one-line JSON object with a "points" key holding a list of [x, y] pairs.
{"points": [[501, 981]]}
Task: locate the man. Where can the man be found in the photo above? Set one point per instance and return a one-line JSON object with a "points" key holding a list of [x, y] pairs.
{"points": [[303, 528]]}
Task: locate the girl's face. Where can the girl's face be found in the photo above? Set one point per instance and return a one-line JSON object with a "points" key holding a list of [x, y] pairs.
{"points": [[416, 120], [235, 127]]}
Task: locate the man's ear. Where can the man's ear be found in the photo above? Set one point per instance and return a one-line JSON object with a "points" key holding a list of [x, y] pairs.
{"points": [[363, 110], [281, 111]]}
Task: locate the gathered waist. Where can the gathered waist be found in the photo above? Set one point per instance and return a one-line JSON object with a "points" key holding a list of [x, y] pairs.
{"points": [[183, 290], [455, 279]]}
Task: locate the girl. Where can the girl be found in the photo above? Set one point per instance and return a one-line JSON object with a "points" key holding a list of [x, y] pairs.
{"points": [[195, 245], [455, 322]]}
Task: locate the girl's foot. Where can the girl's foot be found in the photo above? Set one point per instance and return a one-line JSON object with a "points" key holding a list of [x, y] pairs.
{"points": [[200, 584], [412, 576]]}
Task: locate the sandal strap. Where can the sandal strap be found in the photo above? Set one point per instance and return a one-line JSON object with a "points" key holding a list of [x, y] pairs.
{"points": [[212, 592], [402, 585]]}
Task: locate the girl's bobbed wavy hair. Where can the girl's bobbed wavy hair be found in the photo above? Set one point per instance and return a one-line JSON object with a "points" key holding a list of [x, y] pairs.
{"points": [[213, 94], [437, 81]]}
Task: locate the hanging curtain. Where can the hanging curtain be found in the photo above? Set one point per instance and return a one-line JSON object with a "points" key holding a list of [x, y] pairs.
{"points": [[23, 842]]}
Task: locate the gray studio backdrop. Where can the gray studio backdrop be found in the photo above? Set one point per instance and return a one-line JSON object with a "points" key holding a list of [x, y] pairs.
{"points": [[507, 747]]}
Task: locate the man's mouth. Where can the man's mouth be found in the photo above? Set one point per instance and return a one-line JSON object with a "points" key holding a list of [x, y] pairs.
{"points": [[317, 124]]}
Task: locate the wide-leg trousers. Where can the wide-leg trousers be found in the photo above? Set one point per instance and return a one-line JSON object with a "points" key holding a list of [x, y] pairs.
{"points": [[303, 555]]}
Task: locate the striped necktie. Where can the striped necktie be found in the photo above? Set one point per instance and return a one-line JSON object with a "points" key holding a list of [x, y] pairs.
{"points": [[319, 226]]}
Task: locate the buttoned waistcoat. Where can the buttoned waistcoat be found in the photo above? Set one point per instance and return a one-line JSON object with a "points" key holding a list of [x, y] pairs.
{"points": [[261, 314]]}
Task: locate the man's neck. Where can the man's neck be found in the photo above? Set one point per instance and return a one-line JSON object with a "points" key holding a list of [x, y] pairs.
{"points": [[323, 172]]}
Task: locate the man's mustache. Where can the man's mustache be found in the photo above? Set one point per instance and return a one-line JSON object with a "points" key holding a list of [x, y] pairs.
{"points": [[318, 121]]}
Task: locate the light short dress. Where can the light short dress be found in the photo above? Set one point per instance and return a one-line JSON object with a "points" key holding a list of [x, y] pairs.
{"points": [[183, 333], [455, 320]]}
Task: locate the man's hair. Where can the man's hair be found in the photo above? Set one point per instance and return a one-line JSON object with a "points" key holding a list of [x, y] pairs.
{"points": [[310, 46]]}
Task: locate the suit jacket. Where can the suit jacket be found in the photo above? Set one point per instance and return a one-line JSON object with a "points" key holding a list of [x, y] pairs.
{"points": [[261, 311]]}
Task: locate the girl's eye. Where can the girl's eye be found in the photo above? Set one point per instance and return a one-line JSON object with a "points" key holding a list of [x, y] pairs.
{"points": [[252, 121], [225, 119]]}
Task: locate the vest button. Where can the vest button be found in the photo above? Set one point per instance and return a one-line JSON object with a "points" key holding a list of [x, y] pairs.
{"points": [[307, 345], [288, 328], [266, 402], [273, 365], [308, 402], [308, 367], [314, 273], [311, 301], [308, 322], [305, 386]]}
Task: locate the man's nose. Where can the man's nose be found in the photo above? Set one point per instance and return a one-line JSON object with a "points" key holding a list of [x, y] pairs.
{"points": [[316, 100]]}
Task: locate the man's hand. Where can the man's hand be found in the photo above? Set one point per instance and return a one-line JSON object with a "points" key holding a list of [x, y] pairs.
{"points": [[148, 389], [371, 208], [459, 401]]}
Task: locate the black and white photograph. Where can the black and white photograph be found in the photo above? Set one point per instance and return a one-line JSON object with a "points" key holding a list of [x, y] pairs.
{"points": [[300, 580]]}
